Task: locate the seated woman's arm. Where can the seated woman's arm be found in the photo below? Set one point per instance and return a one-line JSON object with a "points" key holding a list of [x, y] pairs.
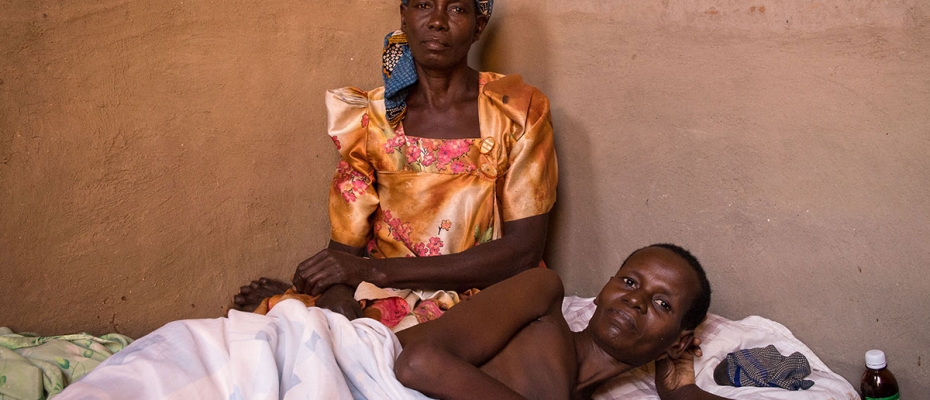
{"points": [[520, 248], [440, 357]]}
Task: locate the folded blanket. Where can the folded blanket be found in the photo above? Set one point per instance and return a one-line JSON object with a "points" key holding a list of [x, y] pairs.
{"points": [[293, 352], [38, 367]]}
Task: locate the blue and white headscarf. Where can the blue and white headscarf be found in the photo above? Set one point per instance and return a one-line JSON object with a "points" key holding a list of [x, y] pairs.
{"points": [[398, 69]]}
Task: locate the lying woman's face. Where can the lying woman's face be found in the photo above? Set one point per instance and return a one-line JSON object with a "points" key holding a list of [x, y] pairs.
{"points": [[441, 32]]}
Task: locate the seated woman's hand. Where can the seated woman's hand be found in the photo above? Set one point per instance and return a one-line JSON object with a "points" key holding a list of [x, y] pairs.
{"points": [[327, 268], [674, 374], [340, 299]]}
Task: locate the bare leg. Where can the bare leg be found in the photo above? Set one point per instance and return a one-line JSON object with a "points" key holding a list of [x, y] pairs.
{"points": [[251, 296]]}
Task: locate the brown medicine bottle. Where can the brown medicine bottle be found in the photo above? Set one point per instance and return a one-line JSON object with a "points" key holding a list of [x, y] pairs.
{"points": [[877, 382]]}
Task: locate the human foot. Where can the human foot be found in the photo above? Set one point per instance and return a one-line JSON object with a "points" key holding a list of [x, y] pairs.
{"points": [[251, 296]]}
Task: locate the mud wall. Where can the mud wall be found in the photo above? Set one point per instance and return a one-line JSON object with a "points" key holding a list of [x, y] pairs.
{"points": [[156, 155]]}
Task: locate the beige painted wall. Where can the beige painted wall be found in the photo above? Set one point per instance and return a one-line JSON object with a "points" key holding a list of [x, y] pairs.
{"points": [[156, 155]]}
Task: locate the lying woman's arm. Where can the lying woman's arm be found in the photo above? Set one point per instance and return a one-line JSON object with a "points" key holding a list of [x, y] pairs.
{"points": [[520, 248], [675, 378], [440, 357]]}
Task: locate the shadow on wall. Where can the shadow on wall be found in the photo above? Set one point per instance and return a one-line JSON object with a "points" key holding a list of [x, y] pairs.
{"points": [[577, 201], [518, 43], [521, 43]]}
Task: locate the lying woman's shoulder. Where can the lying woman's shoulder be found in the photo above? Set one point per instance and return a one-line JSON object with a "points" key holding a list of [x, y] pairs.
{"points": [[545, 282]]}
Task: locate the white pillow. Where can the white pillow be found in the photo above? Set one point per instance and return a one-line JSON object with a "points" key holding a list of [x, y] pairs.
{"points": [[720, 337]]}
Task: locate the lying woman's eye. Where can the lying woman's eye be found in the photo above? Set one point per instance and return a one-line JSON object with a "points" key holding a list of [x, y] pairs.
{"points": [[663, 305], [629, 282]]}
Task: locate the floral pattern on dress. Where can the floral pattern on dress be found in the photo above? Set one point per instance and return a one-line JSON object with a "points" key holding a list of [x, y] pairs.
{"points": [[445, 225], [401, 231], [396, 142], [350, 182], [483, 236], [440, 155]]}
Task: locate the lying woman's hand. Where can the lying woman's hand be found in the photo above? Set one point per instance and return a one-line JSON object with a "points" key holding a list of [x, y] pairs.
{"points": [[340, 299], [328, 268], [674, 374]]}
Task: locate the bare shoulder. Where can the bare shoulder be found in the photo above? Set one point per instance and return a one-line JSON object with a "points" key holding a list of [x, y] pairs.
{"points": [[522, 366], [544, 277], [544, 283]]}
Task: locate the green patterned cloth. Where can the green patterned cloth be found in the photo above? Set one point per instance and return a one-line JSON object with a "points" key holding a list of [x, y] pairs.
{"points": [[39, 367]]}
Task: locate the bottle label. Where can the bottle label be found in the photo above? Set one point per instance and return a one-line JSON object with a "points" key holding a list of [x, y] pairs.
{"points": [[895, 397]]}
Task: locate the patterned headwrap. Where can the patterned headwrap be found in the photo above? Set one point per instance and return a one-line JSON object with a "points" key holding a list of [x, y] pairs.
{"points": [[399, 71]]}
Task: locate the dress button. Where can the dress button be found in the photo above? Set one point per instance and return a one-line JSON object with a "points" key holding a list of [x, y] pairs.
{"points": [[489, 170], [487, 145]]}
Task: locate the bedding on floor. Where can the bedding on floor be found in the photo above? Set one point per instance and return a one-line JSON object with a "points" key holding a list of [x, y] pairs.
{"points": [[293, 352], [299, 352], [36, 367]]}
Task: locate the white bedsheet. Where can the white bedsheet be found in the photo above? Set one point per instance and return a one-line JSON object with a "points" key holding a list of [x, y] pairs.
{"points": [[721, 336], [296, 352], [293, 352]]}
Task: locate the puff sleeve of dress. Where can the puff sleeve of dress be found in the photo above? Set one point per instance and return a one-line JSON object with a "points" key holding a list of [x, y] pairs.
{"points": [[352, 196], [529, 186]]}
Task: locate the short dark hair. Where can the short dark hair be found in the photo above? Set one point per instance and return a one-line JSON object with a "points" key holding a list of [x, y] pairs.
{"points": [[701, 302]]}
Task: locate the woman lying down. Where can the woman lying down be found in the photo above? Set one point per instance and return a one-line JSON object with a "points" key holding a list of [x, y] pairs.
{"points": [[508, 341]]}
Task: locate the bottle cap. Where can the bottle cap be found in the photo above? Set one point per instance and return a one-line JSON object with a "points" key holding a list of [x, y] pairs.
{"points": [[875, 359]]}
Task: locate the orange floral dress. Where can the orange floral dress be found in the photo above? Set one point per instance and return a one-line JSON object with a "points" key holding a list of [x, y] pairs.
{"points": [[405, 196]]}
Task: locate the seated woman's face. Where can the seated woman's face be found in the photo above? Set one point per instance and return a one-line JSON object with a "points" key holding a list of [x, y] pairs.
{"points": [[441, 32]]}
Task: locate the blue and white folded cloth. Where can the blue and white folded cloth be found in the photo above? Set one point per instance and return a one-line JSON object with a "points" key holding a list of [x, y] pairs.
{"points": [[764, 367]]}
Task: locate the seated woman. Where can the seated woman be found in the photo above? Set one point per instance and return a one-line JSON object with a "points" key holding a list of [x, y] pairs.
{"points": [[486, 347], [443, 161]]}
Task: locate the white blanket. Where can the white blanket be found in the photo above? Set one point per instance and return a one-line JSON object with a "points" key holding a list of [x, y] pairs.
{"points": [[721, 336], [293, 352], [296, 352]]}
